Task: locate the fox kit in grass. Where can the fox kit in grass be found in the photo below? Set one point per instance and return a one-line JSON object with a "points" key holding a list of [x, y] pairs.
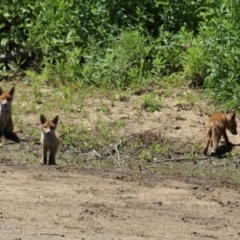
{"points": [[217, 125], [6, 123], [49, 139]]}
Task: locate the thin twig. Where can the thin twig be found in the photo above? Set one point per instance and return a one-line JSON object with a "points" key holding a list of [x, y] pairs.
{"points": [[129, 165], [135, 153], [140, 168], [115, 160], [181, 159], [116, 149], [53, 234]]}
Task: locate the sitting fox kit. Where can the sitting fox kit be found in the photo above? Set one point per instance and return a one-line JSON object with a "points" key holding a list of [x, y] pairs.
{"points": [[49, 139], [216, 127], [6, 123]]}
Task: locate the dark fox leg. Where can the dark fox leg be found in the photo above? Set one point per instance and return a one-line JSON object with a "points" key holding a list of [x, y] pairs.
{"points": [[44, 156], [208, 140]]}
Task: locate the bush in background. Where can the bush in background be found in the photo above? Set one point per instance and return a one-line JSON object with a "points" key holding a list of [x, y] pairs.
{"points": [[120, 44]]}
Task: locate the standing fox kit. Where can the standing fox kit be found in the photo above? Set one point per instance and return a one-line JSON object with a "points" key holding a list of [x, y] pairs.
{"points": [[49, 139], [6, 123], [216, 127]]}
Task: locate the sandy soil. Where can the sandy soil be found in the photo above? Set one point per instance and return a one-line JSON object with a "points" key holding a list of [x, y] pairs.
{"points": [[74, 202]]}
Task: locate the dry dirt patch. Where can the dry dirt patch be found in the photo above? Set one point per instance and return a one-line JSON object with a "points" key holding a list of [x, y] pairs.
{"points": [[71, 202], [75, 203]]}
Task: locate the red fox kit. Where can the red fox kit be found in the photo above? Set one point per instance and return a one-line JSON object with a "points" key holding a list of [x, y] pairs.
{"points": [[49, 139], [6, 123], [216, 127]]}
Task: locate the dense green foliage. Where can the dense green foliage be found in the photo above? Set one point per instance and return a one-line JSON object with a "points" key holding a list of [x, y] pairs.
{"points": [[119, 44]]}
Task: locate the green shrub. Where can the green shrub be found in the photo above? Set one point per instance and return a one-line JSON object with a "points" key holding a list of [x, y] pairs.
{"points": [[192, 57], [166, 54], [221, 49], [151, 102], [120, 44], [53, 29], [122, 63]]}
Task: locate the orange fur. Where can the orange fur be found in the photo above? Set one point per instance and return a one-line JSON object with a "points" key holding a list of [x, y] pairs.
{"points": [[49, 139], [6, 123], [216, 127]]}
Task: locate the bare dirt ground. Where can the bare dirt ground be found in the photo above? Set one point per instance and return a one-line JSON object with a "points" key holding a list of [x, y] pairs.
{"points": [[73, 203], [83, 202]]}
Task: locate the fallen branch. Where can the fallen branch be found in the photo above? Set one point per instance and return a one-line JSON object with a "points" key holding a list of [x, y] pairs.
{"points": [[117, 162], [136, 153], [116, 149], [111, 150], [140, 168], [182, 159], [53, 234]]}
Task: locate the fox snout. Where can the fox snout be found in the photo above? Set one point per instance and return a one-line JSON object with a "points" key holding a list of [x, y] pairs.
{"points": [[48, 131], [4, 102], [233, 131]]}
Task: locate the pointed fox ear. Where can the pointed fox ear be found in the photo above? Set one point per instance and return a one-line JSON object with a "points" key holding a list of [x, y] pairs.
{"points": [[55, 120], [42, 119], [233, 116], [11, 91], [1, 91]]}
